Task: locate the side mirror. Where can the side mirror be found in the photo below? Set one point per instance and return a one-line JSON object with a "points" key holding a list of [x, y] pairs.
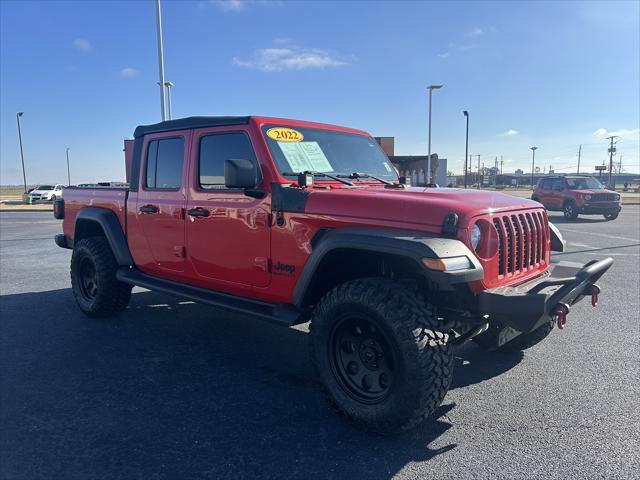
{"points": [[239, 174], [242, 174]]}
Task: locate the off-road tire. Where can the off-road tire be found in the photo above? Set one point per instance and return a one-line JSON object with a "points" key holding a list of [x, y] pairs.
{"points": [[535, 199], [570, 211], [611, 216], [53, 198], [409, 327], [528, 340], [104, 296]]}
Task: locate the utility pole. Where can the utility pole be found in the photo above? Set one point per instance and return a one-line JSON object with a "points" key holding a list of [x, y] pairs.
{"points": [[533, 164], [466, 149], [579, 152], [495, 173], [479, 172], [68, 170], [501, 162], [161, 61], [612, 152], [24, 175]]}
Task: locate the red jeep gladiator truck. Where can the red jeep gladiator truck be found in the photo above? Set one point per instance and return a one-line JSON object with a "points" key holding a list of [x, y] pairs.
{"points": [[575, 195], [293, 221]]}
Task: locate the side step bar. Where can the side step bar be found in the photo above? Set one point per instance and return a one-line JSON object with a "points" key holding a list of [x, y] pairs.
{"points": [[280, 314]]}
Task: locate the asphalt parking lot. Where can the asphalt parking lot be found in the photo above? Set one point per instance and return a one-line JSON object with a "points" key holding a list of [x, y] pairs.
{"points": [[176, 390]]}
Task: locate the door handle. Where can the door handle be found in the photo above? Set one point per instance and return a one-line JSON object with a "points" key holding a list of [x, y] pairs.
{"points": [[198, 212], [149, 209]]}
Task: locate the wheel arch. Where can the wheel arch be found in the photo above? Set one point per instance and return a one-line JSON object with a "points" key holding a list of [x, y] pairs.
{"points": [[96, 222], [375, 252]]}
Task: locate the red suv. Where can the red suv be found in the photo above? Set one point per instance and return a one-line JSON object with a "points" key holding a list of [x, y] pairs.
{"points": [[577, 196]]}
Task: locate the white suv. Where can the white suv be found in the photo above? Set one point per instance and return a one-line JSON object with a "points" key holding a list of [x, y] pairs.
{"points": [[46, 192]]}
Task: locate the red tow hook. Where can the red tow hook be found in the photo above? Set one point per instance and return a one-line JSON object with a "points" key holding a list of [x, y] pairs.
{"points": [[560, 313], [595, 290]]}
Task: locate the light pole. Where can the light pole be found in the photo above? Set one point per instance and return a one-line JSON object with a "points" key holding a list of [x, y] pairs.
{"points": [[533, 163], [160, 60], [169, 85], [431, 88], [68, 170], [24, 175], [466, 149]]}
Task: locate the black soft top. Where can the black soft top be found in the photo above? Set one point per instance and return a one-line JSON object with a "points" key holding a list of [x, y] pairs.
{"points": [[189, 122]]}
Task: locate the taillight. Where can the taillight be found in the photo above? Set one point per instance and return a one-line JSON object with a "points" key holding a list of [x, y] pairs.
{"points": [[58, 208]]}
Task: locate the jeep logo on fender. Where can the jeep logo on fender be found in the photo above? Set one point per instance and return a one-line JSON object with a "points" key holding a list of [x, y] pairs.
{"points": [[285, 268]]}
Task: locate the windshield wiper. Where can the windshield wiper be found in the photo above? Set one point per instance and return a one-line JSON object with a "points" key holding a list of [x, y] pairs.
{"points": [[322, 174], [387, 183]]}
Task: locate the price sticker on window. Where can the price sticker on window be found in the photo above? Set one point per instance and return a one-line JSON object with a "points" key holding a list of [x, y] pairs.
{"points": [[282, 134]]}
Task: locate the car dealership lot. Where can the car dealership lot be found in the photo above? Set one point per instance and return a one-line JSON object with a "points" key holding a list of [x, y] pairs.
{"points": [[172, 389]]}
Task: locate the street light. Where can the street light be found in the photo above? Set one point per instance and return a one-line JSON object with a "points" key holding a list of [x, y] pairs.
{"points": [[168, 85], [68, 171], [24, 175], [466, 149], [431, 88], [161, 83], [533, 163]]}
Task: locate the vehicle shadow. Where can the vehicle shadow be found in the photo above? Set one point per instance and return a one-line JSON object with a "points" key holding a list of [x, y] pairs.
{"points": [[172, 389], [559, 218]]}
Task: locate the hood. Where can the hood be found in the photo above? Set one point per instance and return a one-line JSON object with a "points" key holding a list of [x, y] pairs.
{"points": [[416, 205], [587, 191]]}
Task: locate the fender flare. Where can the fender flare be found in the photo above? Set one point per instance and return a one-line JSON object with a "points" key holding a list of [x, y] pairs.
{"points": [[407, 244], [110, 225]]}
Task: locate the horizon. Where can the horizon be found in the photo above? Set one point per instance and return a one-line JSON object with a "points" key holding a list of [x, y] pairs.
{"points": [[554, 75]]}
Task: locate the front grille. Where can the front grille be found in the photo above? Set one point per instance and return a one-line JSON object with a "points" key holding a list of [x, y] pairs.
{"points": [[604, 197], [522, 240]]}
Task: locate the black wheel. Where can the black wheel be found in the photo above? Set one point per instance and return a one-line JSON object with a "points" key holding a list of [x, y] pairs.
{"points": [[611, 216], [570, 211], [528, 340], [53, 198], [379, 355], [93, 279], [535, 199]]}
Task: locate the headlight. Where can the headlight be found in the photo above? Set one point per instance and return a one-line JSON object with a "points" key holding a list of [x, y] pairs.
{"points": [[476, 236], [587, 197]]}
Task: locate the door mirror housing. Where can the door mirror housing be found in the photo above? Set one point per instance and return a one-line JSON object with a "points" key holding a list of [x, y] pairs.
{"points": [[243, 174], [239, 174]]}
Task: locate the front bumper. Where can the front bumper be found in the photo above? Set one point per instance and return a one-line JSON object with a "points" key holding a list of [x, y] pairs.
{"points": [[599, 209], [527, 306]]}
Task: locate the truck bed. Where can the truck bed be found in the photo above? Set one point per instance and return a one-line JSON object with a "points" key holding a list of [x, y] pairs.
{"points": [[107, 197]]}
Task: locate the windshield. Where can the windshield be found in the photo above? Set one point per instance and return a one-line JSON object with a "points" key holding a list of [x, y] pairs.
{"points": [[44, 187], [586, 183], [297, 150]]}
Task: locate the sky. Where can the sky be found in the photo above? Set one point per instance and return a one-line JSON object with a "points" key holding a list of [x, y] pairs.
{"points": [[550, 74]]}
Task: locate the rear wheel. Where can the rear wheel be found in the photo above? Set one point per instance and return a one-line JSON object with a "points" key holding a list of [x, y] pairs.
{"points": [[570, 211], [379, 355], [611, 216], [93, 279]]}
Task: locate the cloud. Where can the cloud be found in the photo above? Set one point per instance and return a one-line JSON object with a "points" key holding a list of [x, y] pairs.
{"points": [[443, 55], [624, 133], [509, 133], [242, 5], [290, 58], [231, 5], [82, 44], [476, 32], [129, 72]]}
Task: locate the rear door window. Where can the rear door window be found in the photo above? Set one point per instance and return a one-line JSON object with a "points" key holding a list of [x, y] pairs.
{"points": [[164, 164]]}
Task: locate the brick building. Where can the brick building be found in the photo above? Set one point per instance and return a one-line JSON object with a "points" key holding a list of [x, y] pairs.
{"points": [[414, 167]]}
